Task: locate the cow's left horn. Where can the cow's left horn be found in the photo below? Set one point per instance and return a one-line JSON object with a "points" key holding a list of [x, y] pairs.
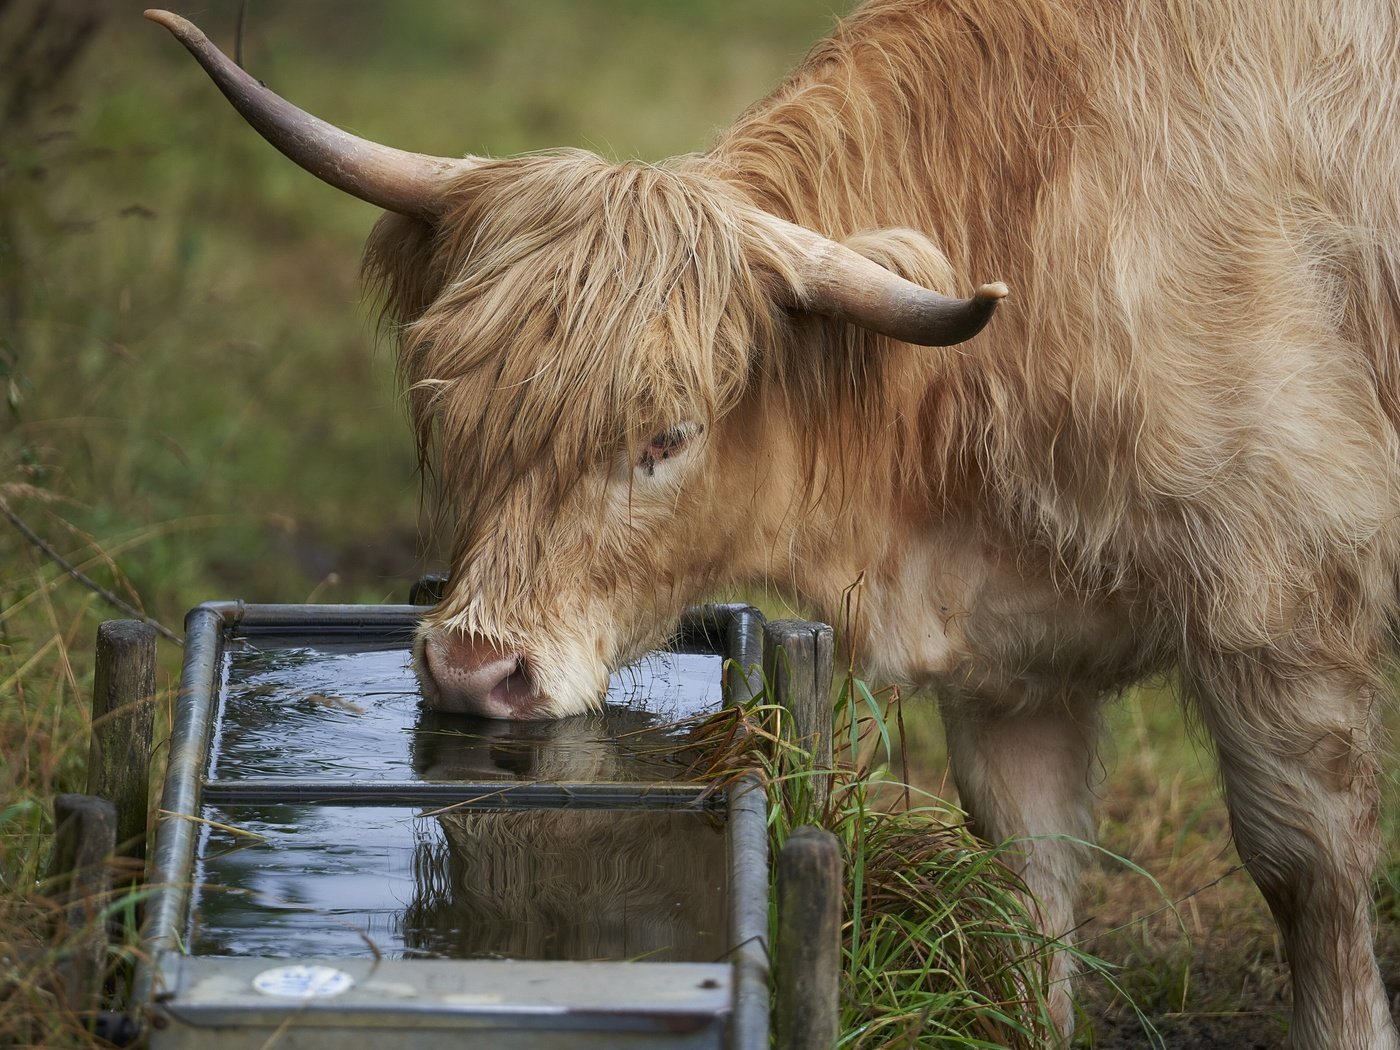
{"points": [[409, 183], [842, 283]]}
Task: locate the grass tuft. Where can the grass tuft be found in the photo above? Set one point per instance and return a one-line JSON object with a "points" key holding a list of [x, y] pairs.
{"points": [[938, 947]]}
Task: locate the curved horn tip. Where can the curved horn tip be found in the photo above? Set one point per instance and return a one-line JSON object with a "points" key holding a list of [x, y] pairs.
{"points": [[169, 19], [182, 29], [992, 292]]}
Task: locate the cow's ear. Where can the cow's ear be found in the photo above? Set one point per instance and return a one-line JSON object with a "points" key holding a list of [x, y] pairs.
{"points": [[402, 269]]}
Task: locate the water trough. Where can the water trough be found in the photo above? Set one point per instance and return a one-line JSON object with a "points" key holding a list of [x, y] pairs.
{"points": [[335, 867]]}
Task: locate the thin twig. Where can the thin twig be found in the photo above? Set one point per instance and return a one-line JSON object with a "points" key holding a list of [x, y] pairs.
{"points": [[238, 40], [87, 581]]}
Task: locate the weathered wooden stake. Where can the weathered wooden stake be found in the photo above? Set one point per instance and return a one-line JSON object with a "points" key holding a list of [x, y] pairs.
{"points": [[80, 877], [808, 962], [797, 657], [123, 707]]}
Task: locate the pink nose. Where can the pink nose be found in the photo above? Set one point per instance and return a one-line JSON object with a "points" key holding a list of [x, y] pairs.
{"points": [[467, 674]]}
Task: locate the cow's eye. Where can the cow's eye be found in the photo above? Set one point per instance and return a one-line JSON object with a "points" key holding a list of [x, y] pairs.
{"points": [[666, 443]]}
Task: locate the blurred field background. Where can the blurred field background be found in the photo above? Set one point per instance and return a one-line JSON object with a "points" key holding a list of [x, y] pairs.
{"points": [[194, 406]]}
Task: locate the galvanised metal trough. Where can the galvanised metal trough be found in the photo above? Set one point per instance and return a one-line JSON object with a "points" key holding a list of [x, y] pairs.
{"points": [[334, 867]]}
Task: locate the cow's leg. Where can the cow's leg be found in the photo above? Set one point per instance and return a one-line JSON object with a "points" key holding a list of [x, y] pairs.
{"points": [[1026, 776], [1298, 762]]}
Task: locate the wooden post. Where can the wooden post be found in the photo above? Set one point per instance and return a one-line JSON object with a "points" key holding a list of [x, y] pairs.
{"points": [[797, 657], [80, 877], [808, 956], [123, 707]]}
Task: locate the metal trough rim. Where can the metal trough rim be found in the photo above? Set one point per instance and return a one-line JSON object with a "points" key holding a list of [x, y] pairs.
{"points": [[211, 992], [733, 631], [474, 795]]}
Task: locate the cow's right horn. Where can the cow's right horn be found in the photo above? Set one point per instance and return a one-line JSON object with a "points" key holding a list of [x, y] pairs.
{"points": [[408, 183], [842, 283]]}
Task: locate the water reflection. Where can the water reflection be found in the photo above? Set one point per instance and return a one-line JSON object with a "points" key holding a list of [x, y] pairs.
{"points": [[616, 744], [571, 885], [334, 880], [323, 880], [304, 880]]}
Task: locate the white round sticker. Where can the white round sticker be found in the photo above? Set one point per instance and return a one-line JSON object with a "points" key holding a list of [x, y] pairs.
{"points": [[303, 982]]}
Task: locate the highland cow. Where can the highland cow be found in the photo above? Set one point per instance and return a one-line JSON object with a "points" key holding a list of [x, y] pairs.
{"points": [[1175, 448]]}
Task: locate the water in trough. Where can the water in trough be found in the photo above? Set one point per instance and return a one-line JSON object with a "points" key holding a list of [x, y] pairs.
{"points": [[298, 879]]}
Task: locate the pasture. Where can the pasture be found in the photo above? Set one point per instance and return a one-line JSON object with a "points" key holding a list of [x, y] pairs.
{"points": [[195, 407]]}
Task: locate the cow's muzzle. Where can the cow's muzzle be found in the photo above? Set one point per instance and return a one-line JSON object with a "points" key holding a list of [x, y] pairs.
{"points": [[468, 674]]}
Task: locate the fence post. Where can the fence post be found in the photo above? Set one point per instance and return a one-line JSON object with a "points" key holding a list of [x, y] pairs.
{"points": [[797, 659], [80, 881], [123, 707], [808, 950]]}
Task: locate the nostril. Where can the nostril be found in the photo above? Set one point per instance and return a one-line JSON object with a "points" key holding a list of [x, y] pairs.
{"points": [[519, 678]]}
